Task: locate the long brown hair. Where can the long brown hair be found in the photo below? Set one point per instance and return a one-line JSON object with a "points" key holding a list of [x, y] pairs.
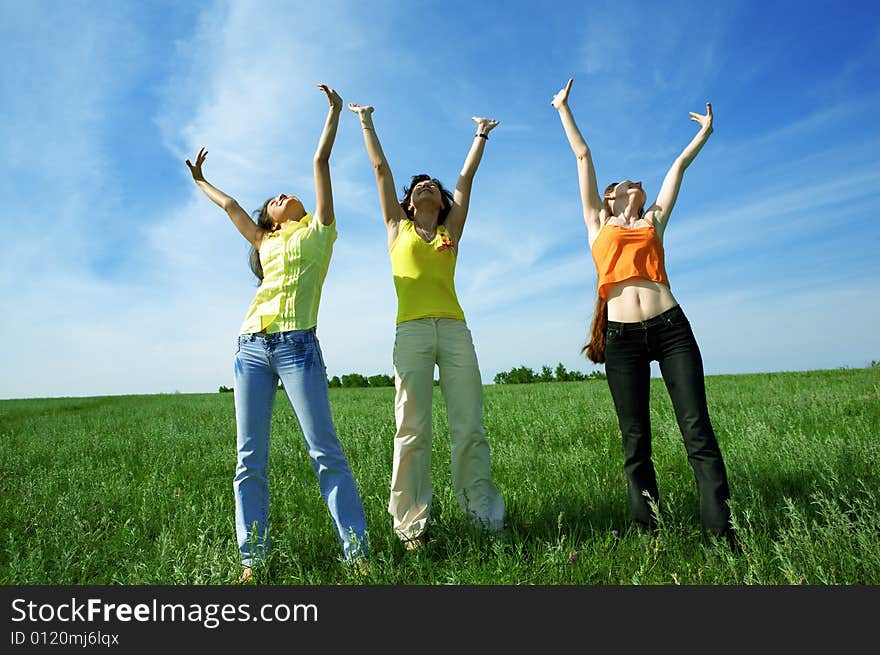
{"points": [[595, 347]]}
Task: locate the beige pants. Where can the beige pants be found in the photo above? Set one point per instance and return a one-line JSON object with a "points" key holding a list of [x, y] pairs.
{"points": [[418, 346]]}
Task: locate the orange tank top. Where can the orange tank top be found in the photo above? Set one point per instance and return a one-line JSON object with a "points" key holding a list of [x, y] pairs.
{"points": [[622, 254]]}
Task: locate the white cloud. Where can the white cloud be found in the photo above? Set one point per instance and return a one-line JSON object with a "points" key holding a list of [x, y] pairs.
{"points": [[243, 85], [768, 215]]}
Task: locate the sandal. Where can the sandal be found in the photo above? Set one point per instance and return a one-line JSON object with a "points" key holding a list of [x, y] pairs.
{"points": [[247, 576], [415, 542]]}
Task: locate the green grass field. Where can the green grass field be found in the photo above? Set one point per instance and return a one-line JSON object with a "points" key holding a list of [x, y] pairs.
{"points": [[138, 490]]}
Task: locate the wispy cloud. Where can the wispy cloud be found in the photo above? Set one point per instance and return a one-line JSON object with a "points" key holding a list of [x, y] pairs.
{"points": [[137, 283], [767, 215]]}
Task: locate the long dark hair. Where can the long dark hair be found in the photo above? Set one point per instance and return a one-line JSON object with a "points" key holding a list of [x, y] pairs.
{"points": [[595, 347], [445, 195], [261, 218]]}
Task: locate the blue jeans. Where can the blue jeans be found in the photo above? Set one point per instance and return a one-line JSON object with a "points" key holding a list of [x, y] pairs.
{"points": [[294, 357]]}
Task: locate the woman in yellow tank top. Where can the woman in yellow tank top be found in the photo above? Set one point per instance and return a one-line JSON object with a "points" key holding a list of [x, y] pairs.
{"points": [[638, 320], [424, 231]]}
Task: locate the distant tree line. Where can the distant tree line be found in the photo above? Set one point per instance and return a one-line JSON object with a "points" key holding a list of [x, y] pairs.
{"points": [[525, 375], [517, 375], [358, 380], [223, 389], [348, 381]]}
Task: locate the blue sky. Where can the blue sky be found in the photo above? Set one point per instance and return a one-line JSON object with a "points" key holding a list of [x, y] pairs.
{"points": [[119, 276]]}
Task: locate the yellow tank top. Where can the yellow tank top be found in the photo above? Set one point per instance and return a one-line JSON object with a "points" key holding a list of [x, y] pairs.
{"points": [[423, 275]]}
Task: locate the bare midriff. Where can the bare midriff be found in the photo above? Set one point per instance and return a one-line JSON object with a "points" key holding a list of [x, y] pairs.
{"points": [[638, 299]]}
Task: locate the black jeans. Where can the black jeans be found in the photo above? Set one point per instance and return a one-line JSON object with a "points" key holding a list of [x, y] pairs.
{"points": [[667, 338]]}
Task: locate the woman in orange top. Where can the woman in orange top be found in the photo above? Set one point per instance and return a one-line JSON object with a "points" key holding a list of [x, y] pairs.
{"points": [[638, 320]]}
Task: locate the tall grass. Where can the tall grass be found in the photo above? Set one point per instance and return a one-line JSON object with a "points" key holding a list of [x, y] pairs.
{"points": [[138, 490]]}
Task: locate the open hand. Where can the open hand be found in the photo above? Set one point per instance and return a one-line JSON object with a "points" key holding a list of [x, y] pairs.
{"points": [[705, 120], [484, 125], [196, 169], [332, 96], [360, 110], [561, 98]]}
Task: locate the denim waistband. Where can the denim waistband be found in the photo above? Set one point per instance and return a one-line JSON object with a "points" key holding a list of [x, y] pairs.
{"points": [[290, 336], [663, 318]]}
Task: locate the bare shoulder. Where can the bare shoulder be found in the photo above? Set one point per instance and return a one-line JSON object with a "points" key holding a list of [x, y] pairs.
{"points": [[393, 229], [656, 217], [259, 233], [394, 215], [594, 220], [656, 220]]}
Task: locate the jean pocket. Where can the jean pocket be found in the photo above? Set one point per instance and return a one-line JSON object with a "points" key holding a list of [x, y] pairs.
{"points": [[676, 318], [613, 333]]}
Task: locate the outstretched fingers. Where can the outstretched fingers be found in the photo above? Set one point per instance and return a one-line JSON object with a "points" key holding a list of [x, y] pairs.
{"points": [[705, 120], [200, 157], [332, 95], [196, 169], [484, 123], [360, 109]]}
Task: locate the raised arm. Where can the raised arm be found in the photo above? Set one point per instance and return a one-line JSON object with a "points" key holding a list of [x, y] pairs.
{"points": [[462, 196], [661, 210], [392, 212], [590, 198], [249, 230], [323, 188]]}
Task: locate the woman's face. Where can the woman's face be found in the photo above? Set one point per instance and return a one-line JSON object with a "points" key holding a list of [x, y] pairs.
{"points": [[284, 208], [426, 191], [628, 193]]}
